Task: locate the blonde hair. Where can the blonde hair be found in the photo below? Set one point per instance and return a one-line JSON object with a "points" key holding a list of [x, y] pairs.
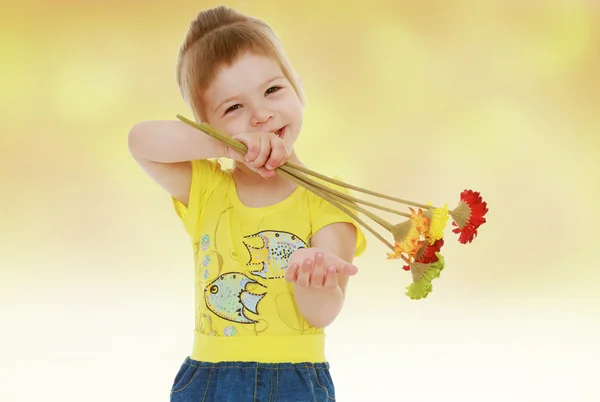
{"points": [[216, 38]]}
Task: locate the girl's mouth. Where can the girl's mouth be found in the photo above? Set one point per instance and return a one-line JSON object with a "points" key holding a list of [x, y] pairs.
{"points": [[281, 132]]}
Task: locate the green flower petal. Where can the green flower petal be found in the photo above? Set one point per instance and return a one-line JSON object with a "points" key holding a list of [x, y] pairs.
{"points": [[421, 288]]}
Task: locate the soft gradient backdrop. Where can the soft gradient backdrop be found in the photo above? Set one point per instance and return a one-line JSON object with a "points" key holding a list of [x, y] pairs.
{"points": [[417, 99]]}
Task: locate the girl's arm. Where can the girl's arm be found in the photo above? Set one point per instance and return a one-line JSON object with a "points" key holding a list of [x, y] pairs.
{"points": [[320, 294], [164, 149]]}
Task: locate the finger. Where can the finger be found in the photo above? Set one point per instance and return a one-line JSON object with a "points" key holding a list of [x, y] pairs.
{"points": [[331, 279], [318, 273], [235, 155], [291, 274], [304, 273], [263, 155], [265, 173], [278, 153]]}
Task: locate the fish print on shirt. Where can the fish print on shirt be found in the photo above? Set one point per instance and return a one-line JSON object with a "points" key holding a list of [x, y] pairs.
{"points": [[228, 298], [274, 254]]}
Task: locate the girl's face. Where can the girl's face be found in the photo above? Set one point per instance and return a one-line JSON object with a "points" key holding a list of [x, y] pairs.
{"points": [[253, 95]]}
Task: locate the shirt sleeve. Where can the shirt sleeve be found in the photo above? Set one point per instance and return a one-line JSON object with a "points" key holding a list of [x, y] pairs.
{"points": [[324, 213], [206, 175]]}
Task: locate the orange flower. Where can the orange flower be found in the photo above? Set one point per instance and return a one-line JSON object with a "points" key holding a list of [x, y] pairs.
{"points": [[410, 244]]}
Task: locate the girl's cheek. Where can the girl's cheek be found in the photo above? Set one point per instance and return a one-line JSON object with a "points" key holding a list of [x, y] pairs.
{"points": [[234, 128]]}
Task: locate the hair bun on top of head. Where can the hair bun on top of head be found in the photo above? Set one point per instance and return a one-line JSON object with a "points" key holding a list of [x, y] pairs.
{"points": [[216, 37]]}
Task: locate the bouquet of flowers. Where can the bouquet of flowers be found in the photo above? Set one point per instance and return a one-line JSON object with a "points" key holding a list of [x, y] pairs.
{"points": [[417, 240]]}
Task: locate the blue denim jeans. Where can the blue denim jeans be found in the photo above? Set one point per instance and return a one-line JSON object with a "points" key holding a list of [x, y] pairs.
{"points": [[252, 382]]}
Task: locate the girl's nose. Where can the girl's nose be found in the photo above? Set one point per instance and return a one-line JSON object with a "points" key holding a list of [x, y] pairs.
{"points": [[262, 116]]}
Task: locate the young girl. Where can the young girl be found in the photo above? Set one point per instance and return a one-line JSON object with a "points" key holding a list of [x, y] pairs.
{"points": [[272, 260]]}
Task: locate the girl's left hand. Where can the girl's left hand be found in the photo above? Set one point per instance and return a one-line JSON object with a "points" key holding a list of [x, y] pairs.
{"points": [[315, 268]]}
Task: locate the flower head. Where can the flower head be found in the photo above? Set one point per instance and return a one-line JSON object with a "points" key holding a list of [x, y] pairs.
{"points": [[423, 274], [428, 252], [437, 223], [410, 244], [469, 215], [420, 222]]}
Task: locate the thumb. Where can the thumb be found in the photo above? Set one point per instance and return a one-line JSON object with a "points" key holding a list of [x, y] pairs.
{"points": [[235, 155], [265, 173], [346, 269], [342, 267]]}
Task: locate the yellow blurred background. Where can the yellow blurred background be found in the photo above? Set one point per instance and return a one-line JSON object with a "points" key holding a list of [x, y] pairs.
{"points": [[416, 99]]}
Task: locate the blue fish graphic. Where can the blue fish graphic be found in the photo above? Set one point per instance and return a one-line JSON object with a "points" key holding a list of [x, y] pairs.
{"points": [[228, 298], [274, 254]]}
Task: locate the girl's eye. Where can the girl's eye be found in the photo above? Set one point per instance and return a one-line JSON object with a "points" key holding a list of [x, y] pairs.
{"points": [[232, 108], [272, 90]]}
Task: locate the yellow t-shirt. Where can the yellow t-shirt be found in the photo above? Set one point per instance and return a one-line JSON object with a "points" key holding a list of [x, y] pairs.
{"points": [[244, 307]]}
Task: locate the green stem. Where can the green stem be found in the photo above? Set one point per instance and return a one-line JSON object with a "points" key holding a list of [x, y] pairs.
{"points": [[340, 197], [241, 148], [356, 188], [287, 167], [336, 204]]}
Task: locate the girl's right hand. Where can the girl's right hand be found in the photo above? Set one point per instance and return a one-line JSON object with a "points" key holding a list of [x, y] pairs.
{"points": [[266, 152]]}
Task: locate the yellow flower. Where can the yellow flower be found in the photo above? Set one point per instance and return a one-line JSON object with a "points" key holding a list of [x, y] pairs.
{"points": [[437, 224]]}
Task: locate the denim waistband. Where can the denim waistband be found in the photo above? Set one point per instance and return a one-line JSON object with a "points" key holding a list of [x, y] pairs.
{"points": [[254, 365]]}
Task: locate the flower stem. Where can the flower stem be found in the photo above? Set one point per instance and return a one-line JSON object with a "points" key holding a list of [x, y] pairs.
{"points": [[347, 199], [340, 197], [356, 188], [335, 203], [241, 148], [287, 167], [216, 134], [308, 183]]}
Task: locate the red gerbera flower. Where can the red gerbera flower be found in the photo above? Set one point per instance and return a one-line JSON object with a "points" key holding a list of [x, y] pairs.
{"points": [[468, 216], [467, 234], [426, 254]]}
